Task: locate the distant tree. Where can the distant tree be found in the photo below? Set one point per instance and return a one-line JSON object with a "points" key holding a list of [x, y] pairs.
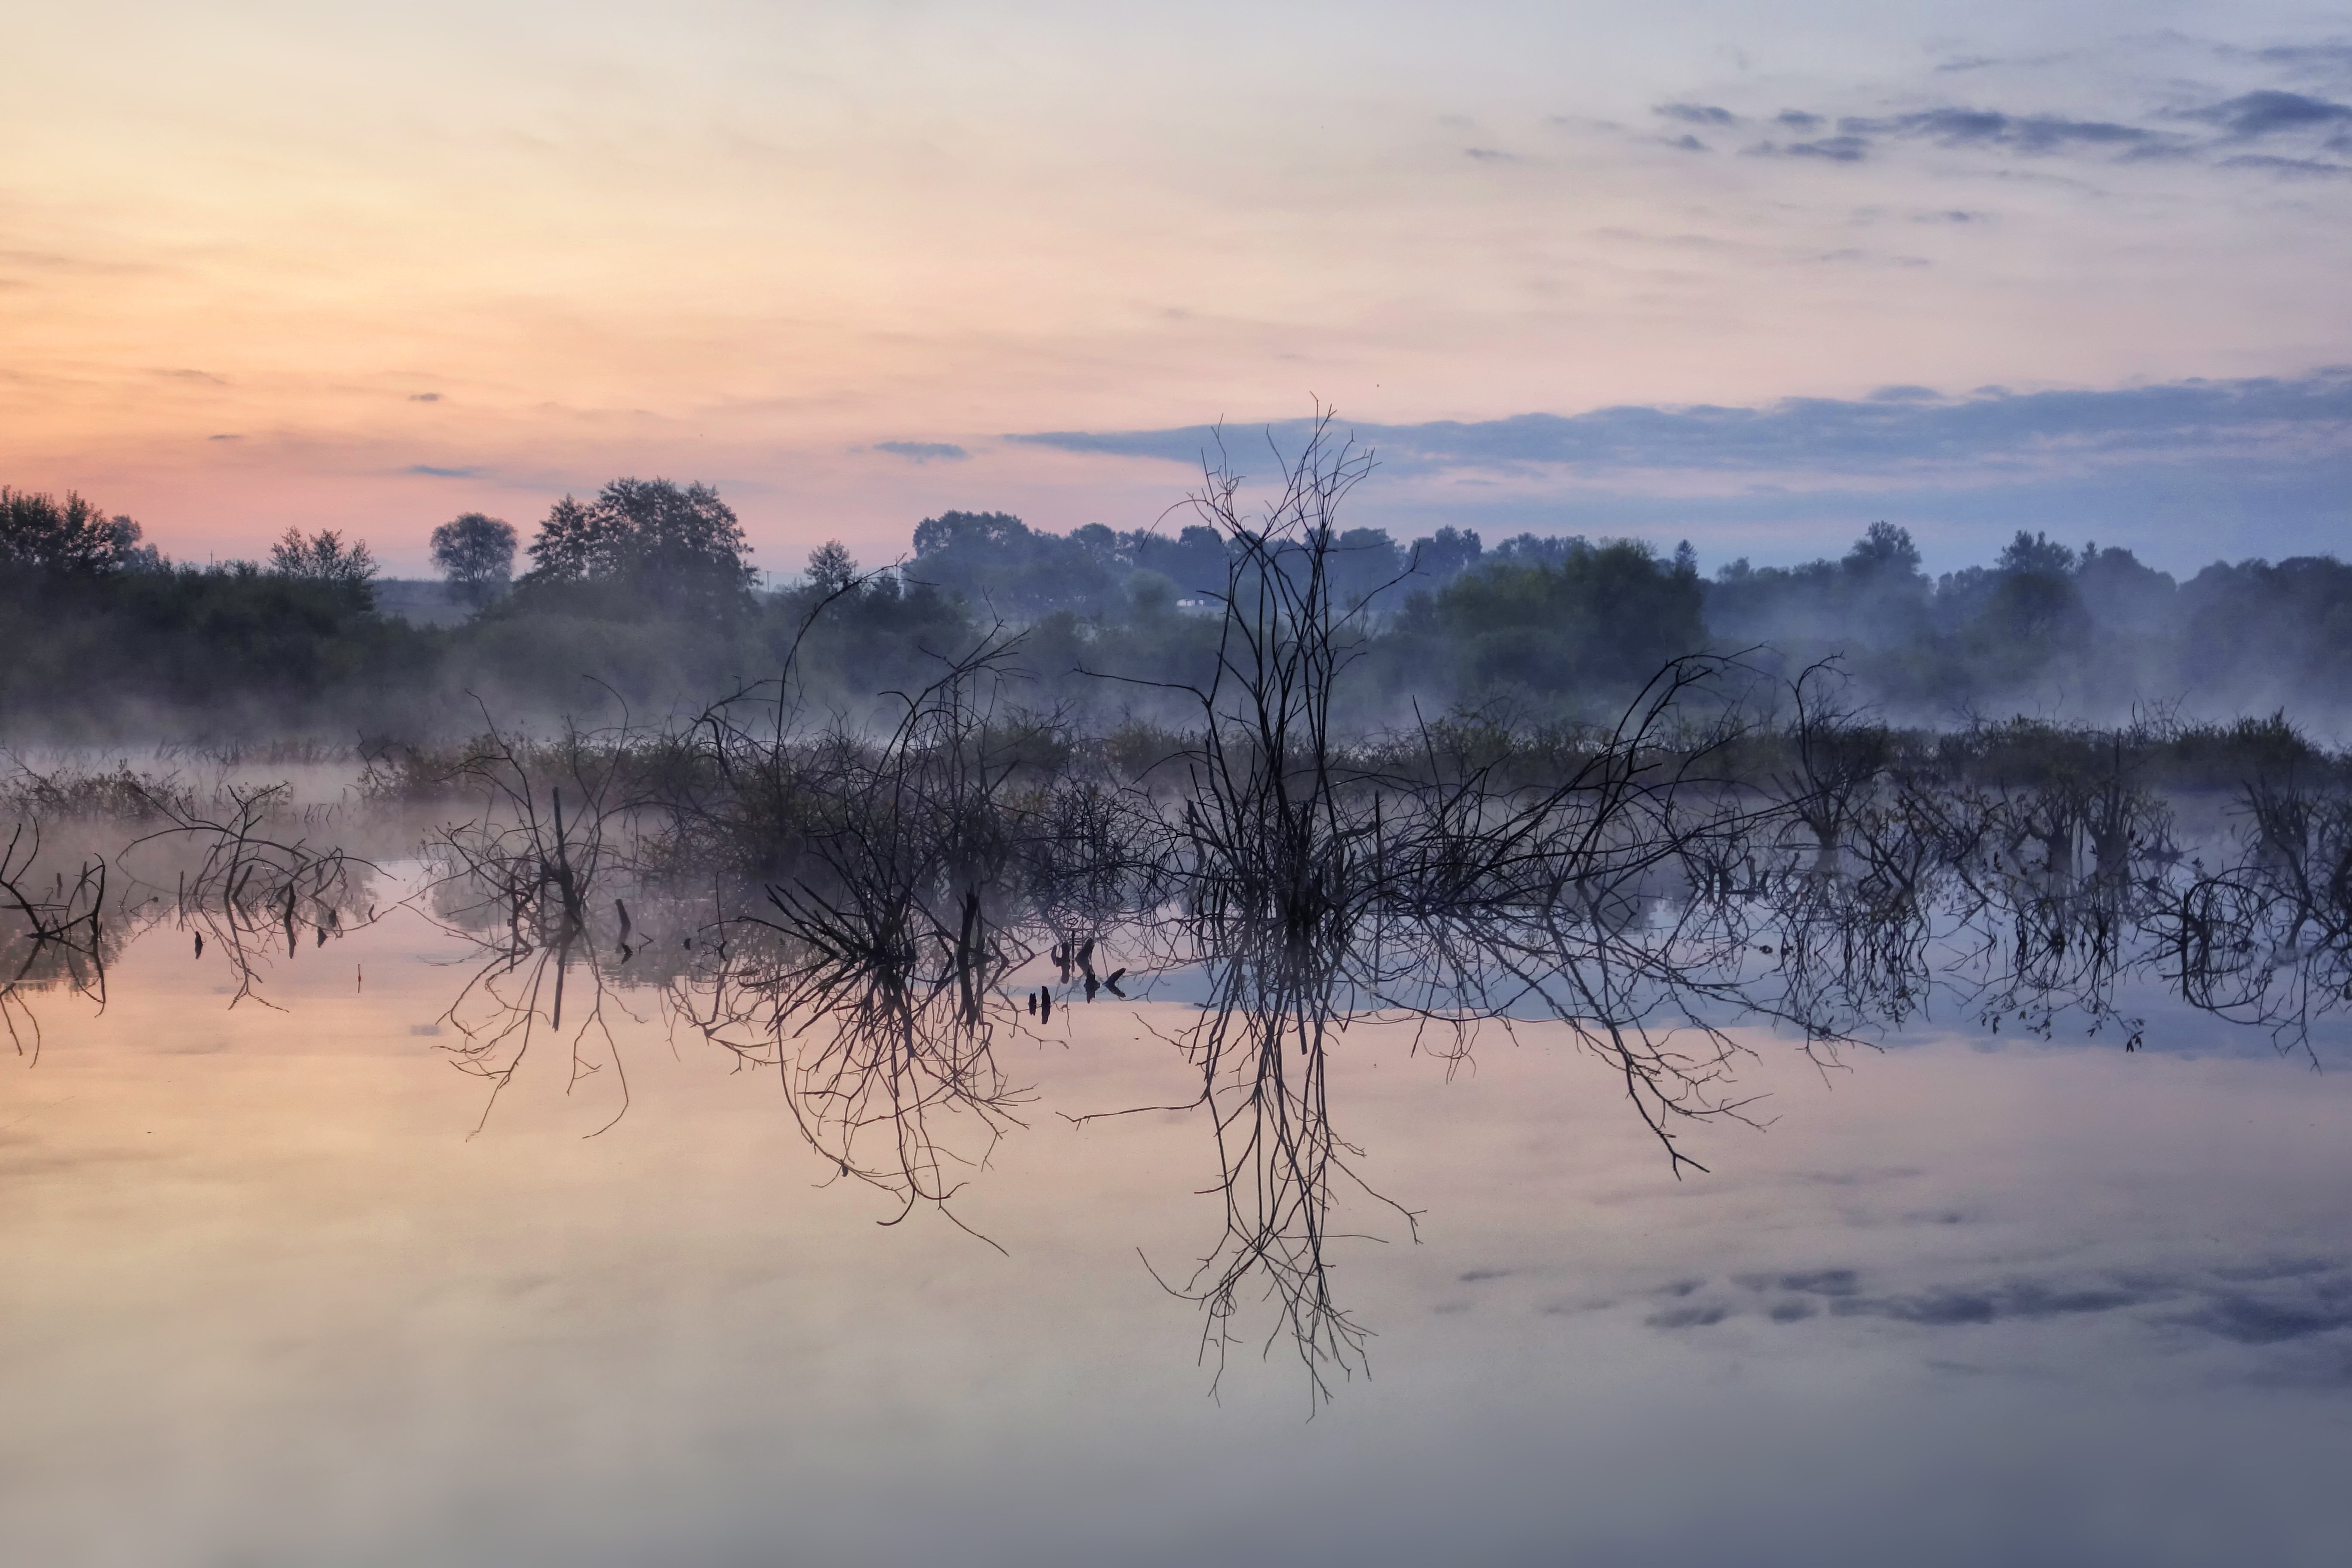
{"points": [[1194, 560], [675, 545], [1362, 561], [2122, 593], [1447, 552], [994, 559], [830, 568], [1564, 615], [323, 557], [2258, 628], [1150, 595], [475, 553], [1886, 550], [131, 556], [969, 531], [2035, 553], [2019, 627], [1536, 550], [38, 532], [1873, 596]]}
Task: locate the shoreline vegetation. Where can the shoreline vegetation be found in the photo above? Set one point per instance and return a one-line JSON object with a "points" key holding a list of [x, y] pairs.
{"points": [[866, 889], [642, 603]]}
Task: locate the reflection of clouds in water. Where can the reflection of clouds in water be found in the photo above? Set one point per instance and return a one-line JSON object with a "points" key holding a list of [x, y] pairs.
{"points": [[2291, 1301], [437, 1340], [2248, 1304]]}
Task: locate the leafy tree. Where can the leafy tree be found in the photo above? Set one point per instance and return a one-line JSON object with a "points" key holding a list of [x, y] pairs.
{"points": [[1563, 615], [2251, 631], [323, 558], [830, 568], [477, 555], [1883, 550], [1362, 561], [1194, 560], [1874, 597], [1535, 550], [875, 637], [2122, 593], [2037, 554], [994, 559], [39, 534], [678, 547], [232, 646], [1447, 553], [1150, 595], [968, 532]]}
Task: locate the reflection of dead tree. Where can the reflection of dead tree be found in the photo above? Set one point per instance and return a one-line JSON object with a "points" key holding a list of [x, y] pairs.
{"points": [[879, 1022], [239, 883], [1857, 945], [2266, 941], [2057, 888], [1911, 879], [518, 881], [2045, 934], [1603, 901], [251, 883], [1315, 892], [1266, 854], [51, 937], [1838, 762], [869, 978]]}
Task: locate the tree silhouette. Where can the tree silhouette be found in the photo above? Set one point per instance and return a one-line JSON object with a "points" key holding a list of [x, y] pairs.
{"points": [[39, 533], [477, 555], [324, 558], [677, 545], [830, 568]]}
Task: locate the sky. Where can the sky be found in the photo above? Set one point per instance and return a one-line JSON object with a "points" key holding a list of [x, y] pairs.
{"points": [[1753, 275]]}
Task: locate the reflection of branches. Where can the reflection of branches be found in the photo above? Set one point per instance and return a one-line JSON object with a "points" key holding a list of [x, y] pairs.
{"points": [[877, 1020], [241, 881], [1316, 892], [518, 881], [250, 881], [2054, 892], [47, 938], [2267, 941], [1446, 901], [1267, 856], [869, 979]]}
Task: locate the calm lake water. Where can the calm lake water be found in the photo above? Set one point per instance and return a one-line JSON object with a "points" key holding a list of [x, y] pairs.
{"points": [[1974, 1301]]}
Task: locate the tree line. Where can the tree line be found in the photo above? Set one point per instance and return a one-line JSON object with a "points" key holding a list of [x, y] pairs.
{"points": [[644, 596]]}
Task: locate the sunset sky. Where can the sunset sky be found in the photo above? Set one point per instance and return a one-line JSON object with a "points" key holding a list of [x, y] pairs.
{"points": [[1749, 274]]}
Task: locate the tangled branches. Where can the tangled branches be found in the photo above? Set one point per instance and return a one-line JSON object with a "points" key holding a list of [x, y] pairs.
{"points": [[47, 936], [251, 879], [870, 978], [519, 879]]}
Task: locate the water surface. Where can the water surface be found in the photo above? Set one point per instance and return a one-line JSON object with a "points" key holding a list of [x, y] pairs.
{"points": [[272, 1300]]}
